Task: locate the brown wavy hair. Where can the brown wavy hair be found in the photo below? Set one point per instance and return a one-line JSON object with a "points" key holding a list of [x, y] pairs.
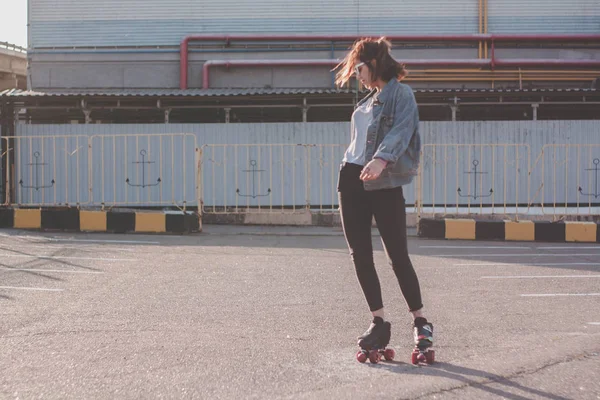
{"points": [[365, 50]]}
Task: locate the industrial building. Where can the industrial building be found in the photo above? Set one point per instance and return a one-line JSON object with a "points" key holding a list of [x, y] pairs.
{"points": [[270, 61]]}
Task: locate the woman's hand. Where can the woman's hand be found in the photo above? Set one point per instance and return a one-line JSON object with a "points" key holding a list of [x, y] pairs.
{"points": [[373, 169]]}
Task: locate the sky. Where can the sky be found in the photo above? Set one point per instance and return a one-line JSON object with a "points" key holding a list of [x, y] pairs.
{"points": [[13, 22]]}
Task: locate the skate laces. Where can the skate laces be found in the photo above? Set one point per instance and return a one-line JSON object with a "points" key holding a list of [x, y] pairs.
{"points": [[423, 329]]}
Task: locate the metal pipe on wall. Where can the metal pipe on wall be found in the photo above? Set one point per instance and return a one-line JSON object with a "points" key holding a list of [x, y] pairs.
{"points": [[184, 47], [419, 62], [330, 63], [480, 26], [485, 25]]}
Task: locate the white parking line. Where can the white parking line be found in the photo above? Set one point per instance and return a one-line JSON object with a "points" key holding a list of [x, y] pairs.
{"points": [[593, 323], [540, 276], [30, 288], [569, 248], [61, 247], [475, 247], [102, 241], [66, 258], [514, 255], [560, 294], [520, 265], [60, 271]]}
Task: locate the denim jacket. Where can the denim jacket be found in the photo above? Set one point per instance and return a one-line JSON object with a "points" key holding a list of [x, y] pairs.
{"points": [[393, 135]]}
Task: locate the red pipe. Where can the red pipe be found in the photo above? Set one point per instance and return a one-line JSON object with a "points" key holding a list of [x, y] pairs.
{"points": [[406, 38], [184, 58], [479, 63], [546, 38]]}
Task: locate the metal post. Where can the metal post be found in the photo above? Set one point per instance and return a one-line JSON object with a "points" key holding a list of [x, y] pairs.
{"points": [[535, 109], [87, 113], [227, 114], [304, 111], [454, 110], [3, 146], [7, 129]]}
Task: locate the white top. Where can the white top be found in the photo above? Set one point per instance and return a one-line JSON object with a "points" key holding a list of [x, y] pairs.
{"points": [[361, 118]]}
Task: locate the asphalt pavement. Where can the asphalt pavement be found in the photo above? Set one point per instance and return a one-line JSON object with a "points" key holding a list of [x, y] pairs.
{"points": [[254, 312]]}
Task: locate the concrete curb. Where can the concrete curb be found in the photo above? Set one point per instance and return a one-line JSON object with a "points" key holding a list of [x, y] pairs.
{"points": [[535, 231], [246, 230], [300, 218], [77, 220]]}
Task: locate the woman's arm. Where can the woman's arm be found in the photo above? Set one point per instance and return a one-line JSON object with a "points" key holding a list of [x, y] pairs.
{"points": [[396, 141]]}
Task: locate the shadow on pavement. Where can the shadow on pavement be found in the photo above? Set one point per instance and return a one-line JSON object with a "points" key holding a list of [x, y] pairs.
{"points": [[467, 377]]}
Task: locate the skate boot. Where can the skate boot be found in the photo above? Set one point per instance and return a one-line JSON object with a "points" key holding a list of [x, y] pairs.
{"points": [[374, 341], [423, 333]]}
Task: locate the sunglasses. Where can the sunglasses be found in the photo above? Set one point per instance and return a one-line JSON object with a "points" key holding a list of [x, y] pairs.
{"points": [[357, 68]]}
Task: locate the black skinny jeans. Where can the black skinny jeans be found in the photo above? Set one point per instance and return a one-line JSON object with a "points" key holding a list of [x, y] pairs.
{"points": [[357, 207]]}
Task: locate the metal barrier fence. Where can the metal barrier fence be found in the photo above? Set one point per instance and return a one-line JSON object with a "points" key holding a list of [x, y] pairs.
{"points": [[502, 179], [569, 179], [144, 170], [101, 170], [266, 178], [46, 170], [473, 178], [171, 170]]}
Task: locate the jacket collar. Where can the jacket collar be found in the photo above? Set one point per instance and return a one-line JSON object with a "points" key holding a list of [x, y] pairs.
{"points": [[387, 90], [385, 93]]}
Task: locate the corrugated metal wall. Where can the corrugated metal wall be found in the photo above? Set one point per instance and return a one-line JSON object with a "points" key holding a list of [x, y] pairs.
{"points": [[544, 16], [288, 163], [67, 23]]}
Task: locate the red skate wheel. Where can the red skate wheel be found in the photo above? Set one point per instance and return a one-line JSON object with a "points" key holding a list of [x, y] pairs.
{"points": [[361, 356], [389, 354], [413, 357], [430, 357], [374, 356]]}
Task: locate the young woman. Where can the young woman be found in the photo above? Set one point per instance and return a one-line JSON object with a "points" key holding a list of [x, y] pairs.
{"points": [[383, 155]]}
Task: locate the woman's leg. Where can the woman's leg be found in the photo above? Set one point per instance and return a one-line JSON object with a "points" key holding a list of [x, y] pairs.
{"points": [[390, 214], [356, 214]]}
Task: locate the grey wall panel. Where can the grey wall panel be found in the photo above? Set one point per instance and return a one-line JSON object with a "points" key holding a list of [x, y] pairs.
{"points": [[544, 16], [92, 76], [64, 23]]}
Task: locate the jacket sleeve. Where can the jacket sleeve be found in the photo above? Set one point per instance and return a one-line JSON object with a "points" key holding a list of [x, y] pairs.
{"points": [[398, 138]]}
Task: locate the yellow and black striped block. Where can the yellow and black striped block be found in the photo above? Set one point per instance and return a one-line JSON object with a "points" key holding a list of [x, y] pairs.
{"points": [[92, 221], [28, 219], [75, 220], [538, 231], [150, 222]]}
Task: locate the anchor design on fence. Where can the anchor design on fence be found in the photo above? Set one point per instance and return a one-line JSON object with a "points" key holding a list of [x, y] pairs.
{"points": [[475, 173], [595, 169], [143, 163], [36, 174], [254, 171]]}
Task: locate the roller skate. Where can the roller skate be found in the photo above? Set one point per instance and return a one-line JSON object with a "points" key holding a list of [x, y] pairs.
{"points": [[423, 332], [374, 341]]}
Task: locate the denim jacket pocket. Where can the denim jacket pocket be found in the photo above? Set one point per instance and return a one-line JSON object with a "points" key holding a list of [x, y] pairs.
{"points": [[387, 121]]}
